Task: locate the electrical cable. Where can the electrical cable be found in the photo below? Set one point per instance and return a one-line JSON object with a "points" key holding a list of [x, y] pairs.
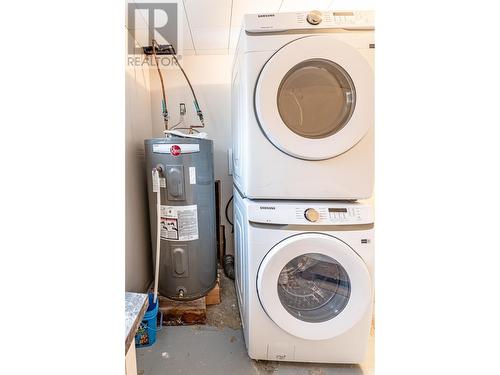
{"points": [[176, 125], [227, 215], [181, 122], [186, 128], [228, 259]]}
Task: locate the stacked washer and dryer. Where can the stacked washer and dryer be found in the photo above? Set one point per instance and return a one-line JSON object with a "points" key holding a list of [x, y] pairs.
{"points": [[303, 118]]}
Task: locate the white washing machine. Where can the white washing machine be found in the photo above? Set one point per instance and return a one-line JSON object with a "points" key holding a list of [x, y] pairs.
{"points": [[303, 106], [304, 279]]}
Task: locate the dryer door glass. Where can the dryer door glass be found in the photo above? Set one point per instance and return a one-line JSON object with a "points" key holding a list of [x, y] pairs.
{"points": [[316, 98], [314, 287]]}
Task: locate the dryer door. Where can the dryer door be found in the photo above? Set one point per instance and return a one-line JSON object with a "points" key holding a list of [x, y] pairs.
{"points": [[314, 286], [314, 98]]}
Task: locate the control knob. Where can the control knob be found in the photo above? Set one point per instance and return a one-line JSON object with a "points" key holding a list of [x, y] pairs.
{"points": [[314, 17], [311, 214]]}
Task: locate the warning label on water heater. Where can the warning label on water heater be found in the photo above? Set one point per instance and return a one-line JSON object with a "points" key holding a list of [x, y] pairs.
{"points": [[179, 223]]}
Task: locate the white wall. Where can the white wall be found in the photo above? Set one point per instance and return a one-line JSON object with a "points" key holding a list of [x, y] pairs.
{"points": [[210, 76], [138, 258]]}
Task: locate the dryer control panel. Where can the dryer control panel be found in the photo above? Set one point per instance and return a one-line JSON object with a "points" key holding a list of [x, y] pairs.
{"points": [[275, 22], [313, 213]]}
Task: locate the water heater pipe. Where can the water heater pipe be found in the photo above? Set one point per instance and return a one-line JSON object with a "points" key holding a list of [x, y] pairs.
{"points": [[156, 176]]}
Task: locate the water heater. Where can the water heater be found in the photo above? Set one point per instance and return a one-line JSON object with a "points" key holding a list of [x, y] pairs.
{"points": [[188, 255]]}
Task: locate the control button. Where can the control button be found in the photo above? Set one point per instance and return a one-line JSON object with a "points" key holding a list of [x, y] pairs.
{"points": [[311, 214], [314, 17]]}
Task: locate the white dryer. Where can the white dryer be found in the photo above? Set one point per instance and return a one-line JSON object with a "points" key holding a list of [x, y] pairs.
{"points": [[303, 106], [304, 279]]}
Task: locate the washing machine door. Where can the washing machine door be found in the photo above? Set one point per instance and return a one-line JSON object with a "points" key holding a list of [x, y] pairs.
{"points": [[314, 286], [314, 98]]}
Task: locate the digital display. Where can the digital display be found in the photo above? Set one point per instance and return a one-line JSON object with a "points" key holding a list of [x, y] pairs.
{"points": [[348, 14], [337, 210]]}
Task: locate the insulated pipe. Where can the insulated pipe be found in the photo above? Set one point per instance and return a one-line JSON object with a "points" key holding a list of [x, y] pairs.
{"points": [[158, 230]]}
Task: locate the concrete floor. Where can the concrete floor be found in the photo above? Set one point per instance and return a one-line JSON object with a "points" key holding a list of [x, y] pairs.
{"points": [[219, 348]]}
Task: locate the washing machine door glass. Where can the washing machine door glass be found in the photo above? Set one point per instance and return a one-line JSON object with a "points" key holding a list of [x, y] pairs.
{"points": [[314, 98], [314, 286]]}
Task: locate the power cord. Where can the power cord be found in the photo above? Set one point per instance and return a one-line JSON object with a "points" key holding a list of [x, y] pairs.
{"points": [[227, 215], [228, 259]]}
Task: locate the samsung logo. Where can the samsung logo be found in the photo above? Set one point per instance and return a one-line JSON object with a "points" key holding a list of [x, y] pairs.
{"points": [[265, 15], [267, 208]]}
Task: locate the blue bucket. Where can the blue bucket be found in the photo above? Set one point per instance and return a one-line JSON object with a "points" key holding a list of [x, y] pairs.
{"points": [[146, 333]]}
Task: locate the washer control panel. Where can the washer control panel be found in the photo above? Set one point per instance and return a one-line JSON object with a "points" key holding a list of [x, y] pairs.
{"points": [[275, 22], [314, 213]]}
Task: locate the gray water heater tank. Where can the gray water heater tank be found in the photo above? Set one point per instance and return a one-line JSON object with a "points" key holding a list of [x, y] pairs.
{"points": [[188, 255]]}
